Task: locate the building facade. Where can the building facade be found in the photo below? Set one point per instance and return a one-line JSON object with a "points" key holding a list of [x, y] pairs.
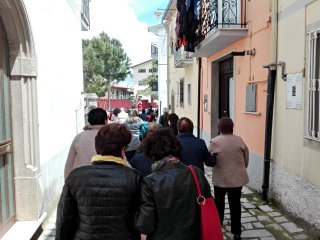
{"points": [[182, 71], [40, 98], [120, 97], [120, 92], [233, 51], [258, 63], [160, 31], [294, 177], [140, 72]]}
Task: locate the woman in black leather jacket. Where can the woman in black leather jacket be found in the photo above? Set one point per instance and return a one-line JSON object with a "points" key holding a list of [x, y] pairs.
{"points": [[99, 200], [169, 209]]}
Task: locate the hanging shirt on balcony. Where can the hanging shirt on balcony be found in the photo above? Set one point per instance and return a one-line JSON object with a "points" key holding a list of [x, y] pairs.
{"points": [[191, 27], [181, 41], [182, 17]]}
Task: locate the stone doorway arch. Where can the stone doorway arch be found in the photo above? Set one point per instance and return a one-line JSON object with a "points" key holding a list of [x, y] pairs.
{"points": [[22, 75]]}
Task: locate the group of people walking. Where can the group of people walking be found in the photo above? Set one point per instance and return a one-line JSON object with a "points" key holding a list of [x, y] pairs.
{"points": [[123, 184]]}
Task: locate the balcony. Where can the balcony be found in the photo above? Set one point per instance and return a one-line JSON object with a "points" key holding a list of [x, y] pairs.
{"points": [[182, 58], [221, 23], [85, 15]]}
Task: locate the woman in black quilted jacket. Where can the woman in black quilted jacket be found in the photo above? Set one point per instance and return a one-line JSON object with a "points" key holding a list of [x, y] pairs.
{"points": [[99, 201], [169, 210]]}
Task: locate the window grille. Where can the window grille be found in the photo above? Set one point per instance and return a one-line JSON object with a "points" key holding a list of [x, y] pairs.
{"points": [[181, 92], [177, 93], [313, 81], [142, 70]]}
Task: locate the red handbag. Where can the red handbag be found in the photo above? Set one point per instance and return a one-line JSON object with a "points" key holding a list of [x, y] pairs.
{"points": [[210, 222]]}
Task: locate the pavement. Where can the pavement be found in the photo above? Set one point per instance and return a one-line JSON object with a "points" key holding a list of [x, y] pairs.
{"points": [[263, 220], [260, 220]]}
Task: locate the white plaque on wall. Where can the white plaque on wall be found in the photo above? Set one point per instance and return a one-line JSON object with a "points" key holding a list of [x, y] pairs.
{"points": [[294, 91]]}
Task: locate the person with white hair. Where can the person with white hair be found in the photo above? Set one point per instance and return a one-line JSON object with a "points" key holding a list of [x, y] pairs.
{"points": [[163, 119], [122, 116], [134, 123]]}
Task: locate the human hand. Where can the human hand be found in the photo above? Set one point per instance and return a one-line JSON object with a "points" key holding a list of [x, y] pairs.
{"points": [[143, 237]]}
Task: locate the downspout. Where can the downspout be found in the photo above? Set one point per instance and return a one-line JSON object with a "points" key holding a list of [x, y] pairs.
{"points": [[199, 98], [270, 98]]}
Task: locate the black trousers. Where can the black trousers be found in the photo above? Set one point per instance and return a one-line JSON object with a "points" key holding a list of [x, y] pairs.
{"points": [[234, 196]]}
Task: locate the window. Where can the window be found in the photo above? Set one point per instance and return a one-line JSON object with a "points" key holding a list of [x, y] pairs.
{"points": [[181, 92], [251, 98], [154, 51], [152, 70], [189, 94], [154, 86], [142, 83], [142, 70], [313, 81]]}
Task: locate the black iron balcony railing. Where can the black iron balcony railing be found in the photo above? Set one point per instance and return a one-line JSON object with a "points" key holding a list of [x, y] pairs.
{"points": [[85, 15], [220, 14]]}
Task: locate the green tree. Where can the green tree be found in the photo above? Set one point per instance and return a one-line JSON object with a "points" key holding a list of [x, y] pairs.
{"points": [[104, 62], [151, 81]]}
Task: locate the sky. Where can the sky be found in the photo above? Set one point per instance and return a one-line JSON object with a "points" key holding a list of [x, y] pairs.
{"points": [[127, 21]]}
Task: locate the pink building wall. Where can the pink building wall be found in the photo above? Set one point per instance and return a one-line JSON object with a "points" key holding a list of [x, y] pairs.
{"points": [[246, 69]]}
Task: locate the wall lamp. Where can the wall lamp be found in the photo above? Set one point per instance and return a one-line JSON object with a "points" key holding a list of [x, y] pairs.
{"points": [[234, 54], [251, 52], [160, 11]]}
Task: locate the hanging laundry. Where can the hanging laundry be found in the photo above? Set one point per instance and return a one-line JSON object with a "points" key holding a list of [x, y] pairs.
{"points": [[188, 2]]}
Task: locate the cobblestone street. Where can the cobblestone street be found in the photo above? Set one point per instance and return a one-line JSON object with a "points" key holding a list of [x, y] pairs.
{"points": [[260, 221]]}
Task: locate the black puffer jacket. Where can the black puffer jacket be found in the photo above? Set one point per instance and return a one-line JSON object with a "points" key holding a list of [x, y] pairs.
{"points": [[169, 210], [98, 202]]}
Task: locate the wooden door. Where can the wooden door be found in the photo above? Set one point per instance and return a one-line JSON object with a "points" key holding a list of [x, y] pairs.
{"points": [[226, 89]]}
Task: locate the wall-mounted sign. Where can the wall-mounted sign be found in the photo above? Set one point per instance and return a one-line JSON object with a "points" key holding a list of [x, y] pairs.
{"points": [[294, 91]]}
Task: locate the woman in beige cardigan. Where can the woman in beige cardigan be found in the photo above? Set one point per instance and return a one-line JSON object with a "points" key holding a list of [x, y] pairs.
{"points": [[230, 173]]}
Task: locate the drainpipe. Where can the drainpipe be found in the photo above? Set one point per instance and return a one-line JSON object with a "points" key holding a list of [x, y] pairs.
{"points": [[199, 98], [270, 98]]}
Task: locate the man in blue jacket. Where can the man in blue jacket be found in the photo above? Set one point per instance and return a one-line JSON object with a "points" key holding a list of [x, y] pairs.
{"points": [[194, 150]]}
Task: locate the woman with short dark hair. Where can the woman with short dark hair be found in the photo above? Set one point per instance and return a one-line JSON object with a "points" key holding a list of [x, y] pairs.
{"points": [[225, 125], [169, 209], [173, 121], [115, 117], [229, 174], [99, 201]]}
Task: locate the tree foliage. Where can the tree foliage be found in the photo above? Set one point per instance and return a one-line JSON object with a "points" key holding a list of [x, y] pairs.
{"points": [[150, 81], [104, 62]]}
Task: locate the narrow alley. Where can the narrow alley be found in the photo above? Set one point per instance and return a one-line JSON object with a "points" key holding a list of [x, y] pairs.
{"points": [[147, 64]]}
